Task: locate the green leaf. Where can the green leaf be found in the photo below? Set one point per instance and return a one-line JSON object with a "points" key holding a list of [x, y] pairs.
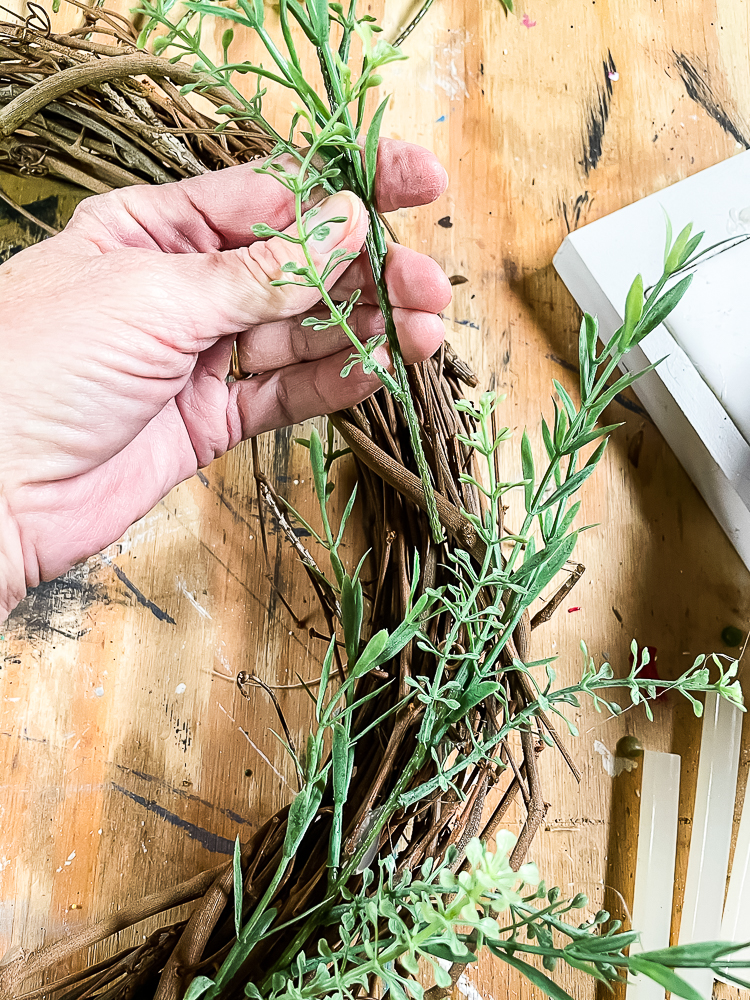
{"points": [[633, 312], [664, 977], [301, 814], [576, 481], [550, 569], [668, 238], [700, 955], [325, 673], [320, 20], [535, 976], [587, 352], [673, 257], [619, 386], [340, 758], [597, 432], [661, 309], [527, 469], [371, 146], [238, 886], [691, 247], [547, 438], [566, 400], [351, 616], [198, 987], [371, 654]]}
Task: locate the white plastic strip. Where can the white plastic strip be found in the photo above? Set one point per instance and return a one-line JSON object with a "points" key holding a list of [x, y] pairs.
{"points": [[711, 837], [654, 869], [736, 923]]}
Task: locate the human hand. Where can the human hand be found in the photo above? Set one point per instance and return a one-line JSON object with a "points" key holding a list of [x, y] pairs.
{"points": [[117, 334]]}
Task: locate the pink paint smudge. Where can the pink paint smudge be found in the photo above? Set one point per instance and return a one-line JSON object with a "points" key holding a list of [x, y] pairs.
{"points": [[527, 22], [571, 610]]}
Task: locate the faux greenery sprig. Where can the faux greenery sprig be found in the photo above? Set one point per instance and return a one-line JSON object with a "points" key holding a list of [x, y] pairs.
{"points": [[330, 117]]}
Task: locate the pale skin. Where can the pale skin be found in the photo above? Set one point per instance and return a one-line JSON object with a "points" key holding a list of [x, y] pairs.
{"points": [[116, 340]]}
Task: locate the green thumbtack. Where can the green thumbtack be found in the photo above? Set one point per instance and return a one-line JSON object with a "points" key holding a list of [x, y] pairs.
{"points": [[629, 747], [732, 636]]}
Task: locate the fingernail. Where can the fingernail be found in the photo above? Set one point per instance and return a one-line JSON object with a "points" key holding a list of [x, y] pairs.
{"points": [[327, 234]]}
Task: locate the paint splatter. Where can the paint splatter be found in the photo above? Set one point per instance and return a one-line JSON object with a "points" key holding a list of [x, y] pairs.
{"points": [[449, 69], [613, 75], [596, 116], [180, 689], [571, 610], [611, 764], [527, 22], [705, 88], [445, 222], [182, 587]]}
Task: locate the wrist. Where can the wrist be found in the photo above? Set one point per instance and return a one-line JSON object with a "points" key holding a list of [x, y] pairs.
{"points": [[12, 576]]}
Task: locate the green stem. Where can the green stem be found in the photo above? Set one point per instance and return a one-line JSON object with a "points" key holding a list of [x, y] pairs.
{"points": [[376, 251]]}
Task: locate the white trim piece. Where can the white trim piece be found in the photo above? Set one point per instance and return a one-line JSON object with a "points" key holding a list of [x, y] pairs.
{"points": [[735, 925], [701, 408], [710, 841], [655, 863]]}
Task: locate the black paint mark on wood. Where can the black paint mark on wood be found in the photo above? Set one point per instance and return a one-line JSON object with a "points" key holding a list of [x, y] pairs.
{"points": [[445, 222], [202, 478], [596, 116], [155, 610], [572, 216], [151, 779], [702, 89], [628, 404], [57, 604], [211, 841]]}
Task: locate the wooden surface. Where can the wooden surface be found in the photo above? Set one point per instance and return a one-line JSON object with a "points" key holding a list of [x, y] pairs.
{"points": [[128, 757]]}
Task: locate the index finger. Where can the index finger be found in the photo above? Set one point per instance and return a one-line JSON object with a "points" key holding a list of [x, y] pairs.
{"points": [[217, 210]]}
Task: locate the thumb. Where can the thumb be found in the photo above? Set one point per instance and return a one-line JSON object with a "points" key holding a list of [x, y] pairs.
{"points": [[232, 290]]}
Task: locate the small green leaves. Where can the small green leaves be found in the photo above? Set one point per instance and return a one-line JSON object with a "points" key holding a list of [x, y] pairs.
{"points": [[198, 987]]}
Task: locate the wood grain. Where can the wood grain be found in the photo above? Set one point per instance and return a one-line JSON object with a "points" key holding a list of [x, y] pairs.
{"points": [[113, 783]]}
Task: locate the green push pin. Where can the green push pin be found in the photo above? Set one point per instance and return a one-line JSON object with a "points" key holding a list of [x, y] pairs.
{"points": [[732, 636]]}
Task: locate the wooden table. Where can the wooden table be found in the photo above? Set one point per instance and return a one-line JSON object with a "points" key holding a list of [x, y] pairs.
{"points": [[130, 760]]}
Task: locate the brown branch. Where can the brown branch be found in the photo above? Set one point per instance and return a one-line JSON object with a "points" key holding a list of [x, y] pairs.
{"points": [[408, 484]]}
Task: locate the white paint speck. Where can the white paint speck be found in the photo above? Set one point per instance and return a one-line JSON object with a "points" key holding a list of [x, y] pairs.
{"points": [[180, 689], [225, 711], [468, 988], [613, 76], [611, 764], [99, 691], [182, 587]]}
